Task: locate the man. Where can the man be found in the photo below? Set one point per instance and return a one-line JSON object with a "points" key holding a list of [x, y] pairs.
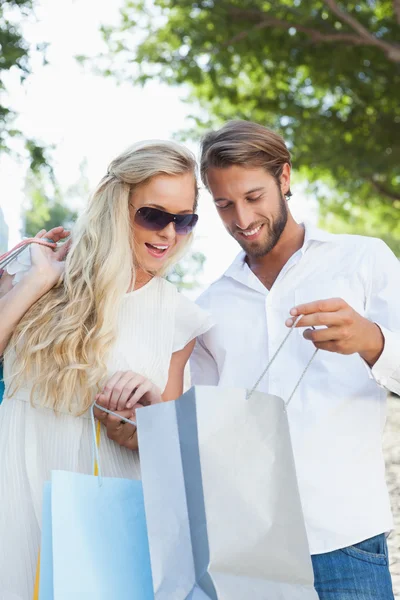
{"points": [[347, 288]]}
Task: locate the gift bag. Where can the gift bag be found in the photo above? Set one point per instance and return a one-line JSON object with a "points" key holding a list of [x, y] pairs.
{"points": [[94, 539], [223, 509], [1, 381]]}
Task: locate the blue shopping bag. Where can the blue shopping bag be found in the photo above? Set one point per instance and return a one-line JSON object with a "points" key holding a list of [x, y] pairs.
{"points": [[1, 382], [94, 539], [46, 562]]}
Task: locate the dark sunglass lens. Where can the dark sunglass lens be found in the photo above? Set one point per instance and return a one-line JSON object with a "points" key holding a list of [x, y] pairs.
{"points": [[151, 218], [154, 219], [185, 224]]}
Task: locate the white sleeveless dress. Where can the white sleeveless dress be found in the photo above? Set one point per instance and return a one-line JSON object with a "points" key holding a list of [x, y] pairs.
{"points": [[154, 322]]}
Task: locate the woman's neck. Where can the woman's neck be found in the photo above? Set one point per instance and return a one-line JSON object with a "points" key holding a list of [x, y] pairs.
{"points": [[141, 278]]}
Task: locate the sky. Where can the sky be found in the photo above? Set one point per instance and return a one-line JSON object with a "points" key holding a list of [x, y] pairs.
{"points": [[85, 116]]}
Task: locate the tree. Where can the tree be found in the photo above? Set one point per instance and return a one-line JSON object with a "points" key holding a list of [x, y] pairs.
{"points": [[324, 74], [48, 206], [14, 56], [185, 273]]}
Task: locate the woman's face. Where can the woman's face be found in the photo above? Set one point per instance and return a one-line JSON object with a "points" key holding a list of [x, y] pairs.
{"points": [[170, 193]]}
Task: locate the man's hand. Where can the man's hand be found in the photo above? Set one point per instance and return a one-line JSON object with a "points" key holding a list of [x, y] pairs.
{"points": [[345, 331]]}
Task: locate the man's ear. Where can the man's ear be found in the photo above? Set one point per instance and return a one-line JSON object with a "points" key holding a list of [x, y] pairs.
{"points": [[285, 180]]}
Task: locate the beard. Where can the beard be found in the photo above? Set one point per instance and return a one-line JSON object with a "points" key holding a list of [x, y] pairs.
{"points": [[273, 229]]}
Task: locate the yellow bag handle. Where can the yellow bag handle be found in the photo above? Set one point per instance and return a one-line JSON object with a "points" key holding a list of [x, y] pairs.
{"points": [[37, 579]]}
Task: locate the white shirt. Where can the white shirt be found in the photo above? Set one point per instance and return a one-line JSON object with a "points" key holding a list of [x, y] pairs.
{"points": [[338, 413]]}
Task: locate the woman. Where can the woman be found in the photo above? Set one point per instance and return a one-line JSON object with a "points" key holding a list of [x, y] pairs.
{"points": [[106, 327]]}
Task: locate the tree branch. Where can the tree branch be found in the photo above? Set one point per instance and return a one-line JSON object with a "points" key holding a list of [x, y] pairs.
{"points": [[354, 24], [396, 10], [384, 190], [313, 34], [392, 51]]}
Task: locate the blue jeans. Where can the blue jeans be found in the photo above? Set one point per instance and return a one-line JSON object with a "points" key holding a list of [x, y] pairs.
{"points": [[359, 572]]}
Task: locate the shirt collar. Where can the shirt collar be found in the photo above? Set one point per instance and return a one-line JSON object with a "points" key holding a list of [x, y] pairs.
{"points": [[313, 234], [240, 270]]}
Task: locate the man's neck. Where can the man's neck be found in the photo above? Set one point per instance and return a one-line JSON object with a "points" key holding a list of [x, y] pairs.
{"points": [[268, 267]]}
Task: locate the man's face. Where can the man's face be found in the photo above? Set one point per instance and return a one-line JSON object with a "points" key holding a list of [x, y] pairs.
{"points": [[251, 205]]}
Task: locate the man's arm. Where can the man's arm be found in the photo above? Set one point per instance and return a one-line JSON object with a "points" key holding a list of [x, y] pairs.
{"points": [[376, 337], [383, 308]]}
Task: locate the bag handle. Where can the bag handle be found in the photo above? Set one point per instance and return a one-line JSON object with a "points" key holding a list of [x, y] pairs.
{"points": [[96, 429], [12, 254], [255, 386]]}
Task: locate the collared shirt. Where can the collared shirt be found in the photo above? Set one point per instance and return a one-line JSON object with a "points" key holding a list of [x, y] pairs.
{"points": [[338, 412]]}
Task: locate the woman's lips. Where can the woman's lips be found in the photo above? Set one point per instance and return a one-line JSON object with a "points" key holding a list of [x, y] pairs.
{"points": [[157, 250]]}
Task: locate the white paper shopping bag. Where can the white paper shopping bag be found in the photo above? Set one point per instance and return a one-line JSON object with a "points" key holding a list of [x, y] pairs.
{"points": [[223, 509]]}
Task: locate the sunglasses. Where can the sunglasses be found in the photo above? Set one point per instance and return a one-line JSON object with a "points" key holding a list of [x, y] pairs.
{"points": [[154, 219]]}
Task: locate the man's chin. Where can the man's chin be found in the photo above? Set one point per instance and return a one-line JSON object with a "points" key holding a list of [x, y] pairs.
{"points": [[257, 249]]}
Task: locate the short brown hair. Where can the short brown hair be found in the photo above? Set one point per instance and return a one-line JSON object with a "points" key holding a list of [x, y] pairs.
{"points": [[247, 144]]}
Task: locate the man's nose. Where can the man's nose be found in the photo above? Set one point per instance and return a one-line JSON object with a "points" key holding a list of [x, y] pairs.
{"points": [[243, 217]]}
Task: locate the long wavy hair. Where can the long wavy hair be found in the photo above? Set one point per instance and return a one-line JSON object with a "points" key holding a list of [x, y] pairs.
{"points": [[62, 342]]}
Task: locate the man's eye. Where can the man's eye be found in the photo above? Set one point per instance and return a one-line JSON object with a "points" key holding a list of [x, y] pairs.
{"points": [[222, 206], [253, 199]]}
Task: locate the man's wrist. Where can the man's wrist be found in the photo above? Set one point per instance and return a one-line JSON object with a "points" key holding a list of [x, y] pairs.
{"points": [[375, 344]]}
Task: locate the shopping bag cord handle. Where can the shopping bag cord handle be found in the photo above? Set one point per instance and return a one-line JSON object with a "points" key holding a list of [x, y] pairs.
{"points": [[255, 386], [96, 458], [8, 257]]}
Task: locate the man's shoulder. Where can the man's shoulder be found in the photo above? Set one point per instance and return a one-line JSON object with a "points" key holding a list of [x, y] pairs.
{"points": [[352, 241]]}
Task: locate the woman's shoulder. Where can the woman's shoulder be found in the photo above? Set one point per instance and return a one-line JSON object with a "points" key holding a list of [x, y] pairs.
{"points": [[171, 310], [190, 321]]}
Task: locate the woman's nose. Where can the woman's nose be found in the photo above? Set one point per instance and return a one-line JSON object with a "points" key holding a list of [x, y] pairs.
{"points": [[169, 231]]}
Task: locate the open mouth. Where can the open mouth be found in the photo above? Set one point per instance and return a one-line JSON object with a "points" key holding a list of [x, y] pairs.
{"points": [[157, 250], [251, 234]]}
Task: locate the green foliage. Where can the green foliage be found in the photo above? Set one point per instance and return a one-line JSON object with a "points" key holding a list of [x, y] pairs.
{"points": [[47, 208], [378, 220], [185, 273], [325, 75], [14, 56]]}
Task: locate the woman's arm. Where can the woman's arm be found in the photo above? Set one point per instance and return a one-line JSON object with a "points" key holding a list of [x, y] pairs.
{"points": [[41, 277], [125, 434], [15, 301], [174, 387]]}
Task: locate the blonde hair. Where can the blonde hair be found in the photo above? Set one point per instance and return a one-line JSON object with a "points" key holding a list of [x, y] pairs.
{"points": [[63, 340], [247, 144]]}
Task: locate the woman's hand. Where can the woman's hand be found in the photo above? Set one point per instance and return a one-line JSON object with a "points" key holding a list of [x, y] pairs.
{"points": [[124, 392], [119, 431], [48, 264], [128, 390]]}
